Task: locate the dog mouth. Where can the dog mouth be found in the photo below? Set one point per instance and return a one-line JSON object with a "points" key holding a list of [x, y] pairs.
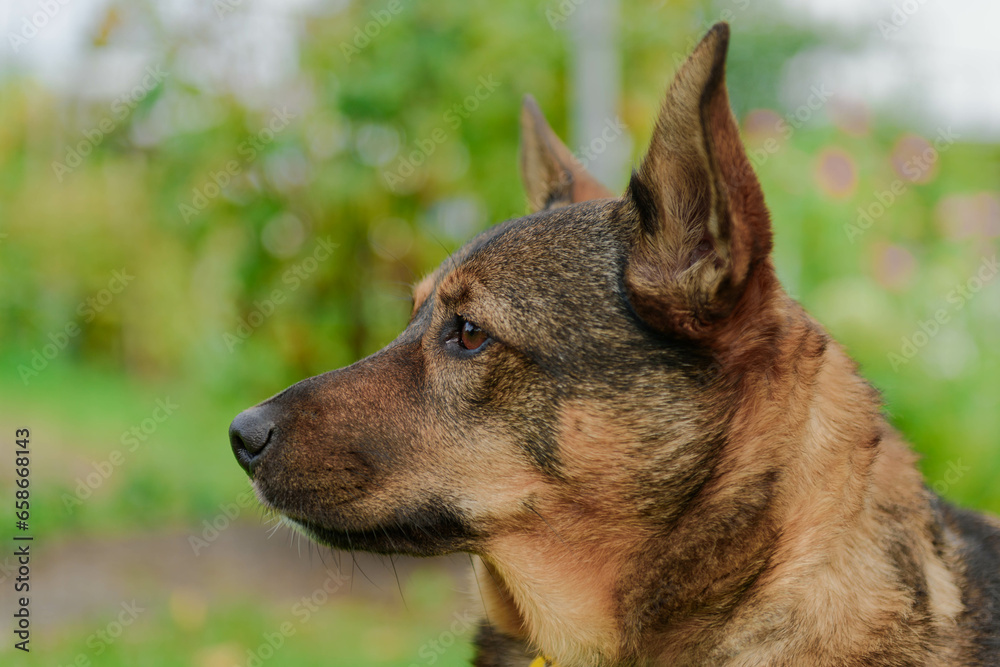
{"points": [[432, 539], [432, 529], [378, 539]]}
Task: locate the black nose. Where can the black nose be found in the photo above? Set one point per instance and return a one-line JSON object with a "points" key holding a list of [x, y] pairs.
{"points": [[249, 434]]}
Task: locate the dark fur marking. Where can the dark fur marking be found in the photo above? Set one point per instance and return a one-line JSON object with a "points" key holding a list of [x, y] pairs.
{"points": [[495, 649], [910, 574], [980, 551], [645, 203], [714, 562]]}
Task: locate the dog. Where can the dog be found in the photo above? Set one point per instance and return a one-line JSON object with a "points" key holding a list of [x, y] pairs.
{"points": [[655, 455]]}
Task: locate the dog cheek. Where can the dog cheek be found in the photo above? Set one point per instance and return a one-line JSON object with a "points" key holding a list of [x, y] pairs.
{"points": [[481, 470]]}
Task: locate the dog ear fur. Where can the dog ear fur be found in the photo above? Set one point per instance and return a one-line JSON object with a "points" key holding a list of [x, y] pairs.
{"points": [[703, 226], [552, 176]]}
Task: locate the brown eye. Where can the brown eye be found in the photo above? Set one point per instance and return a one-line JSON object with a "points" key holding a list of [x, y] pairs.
{"points": [[470, 336]]}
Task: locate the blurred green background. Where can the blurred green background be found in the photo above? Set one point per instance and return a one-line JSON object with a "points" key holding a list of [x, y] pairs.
{"points": [[242, 200]]}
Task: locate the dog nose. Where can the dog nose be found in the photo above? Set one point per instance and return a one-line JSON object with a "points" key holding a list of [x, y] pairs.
{"points": [[249, 434]]}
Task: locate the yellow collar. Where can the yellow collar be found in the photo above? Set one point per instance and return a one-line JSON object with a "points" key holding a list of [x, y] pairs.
{"points": [[542, 661]]}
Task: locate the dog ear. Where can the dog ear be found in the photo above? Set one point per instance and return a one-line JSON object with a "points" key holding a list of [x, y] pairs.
{"points": [[703, 226], [552, 176]]}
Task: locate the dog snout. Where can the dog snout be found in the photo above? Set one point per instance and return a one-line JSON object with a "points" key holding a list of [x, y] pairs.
{"points": [[249, 434]]}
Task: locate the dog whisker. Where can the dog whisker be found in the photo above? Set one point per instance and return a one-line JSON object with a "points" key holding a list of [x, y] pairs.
{"points": [[549, 525], [486, 612], [399, 586]]}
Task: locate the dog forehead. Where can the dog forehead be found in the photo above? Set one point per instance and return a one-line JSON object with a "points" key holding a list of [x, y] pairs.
{"points": [[557, 244]]}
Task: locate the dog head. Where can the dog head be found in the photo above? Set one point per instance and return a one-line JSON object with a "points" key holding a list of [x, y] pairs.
{"points": [[562, 376]]}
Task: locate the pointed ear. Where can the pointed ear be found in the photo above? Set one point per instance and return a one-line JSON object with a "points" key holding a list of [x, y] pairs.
{"points": [[703, 227], [552, 176]]}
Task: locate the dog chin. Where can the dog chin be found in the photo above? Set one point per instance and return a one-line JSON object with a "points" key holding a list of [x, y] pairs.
{"points": [[428, 531], [410, 540], [297, 526]]}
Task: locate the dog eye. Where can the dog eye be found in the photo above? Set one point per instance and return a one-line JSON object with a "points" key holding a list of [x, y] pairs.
{"points": [[472, 337], [469, 336]]}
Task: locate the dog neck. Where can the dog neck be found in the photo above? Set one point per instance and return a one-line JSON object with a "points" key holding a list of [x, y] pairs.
{"points": [[798, 527], [553, 583], [794, 510]]}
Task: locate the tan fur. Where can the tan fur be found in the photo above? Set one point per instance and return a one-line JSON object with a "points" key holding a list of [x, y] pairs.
{"points": [[552, 583], [421, 291], [562, 594], [829, 566]]}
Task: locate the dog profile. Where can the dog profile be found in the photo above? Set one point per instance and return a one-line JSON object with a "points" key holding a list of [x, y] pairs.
{"points": [[655, 455]]}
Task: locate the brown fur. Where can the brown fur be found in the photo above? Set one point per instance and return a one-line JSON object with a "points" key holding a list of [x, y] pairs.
{"points": [[551, 174], [657, 457]]}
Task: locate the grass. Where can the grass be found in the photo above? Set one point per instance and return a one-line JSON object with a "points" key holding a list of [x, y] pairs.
{"points": [[224, 633]]}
